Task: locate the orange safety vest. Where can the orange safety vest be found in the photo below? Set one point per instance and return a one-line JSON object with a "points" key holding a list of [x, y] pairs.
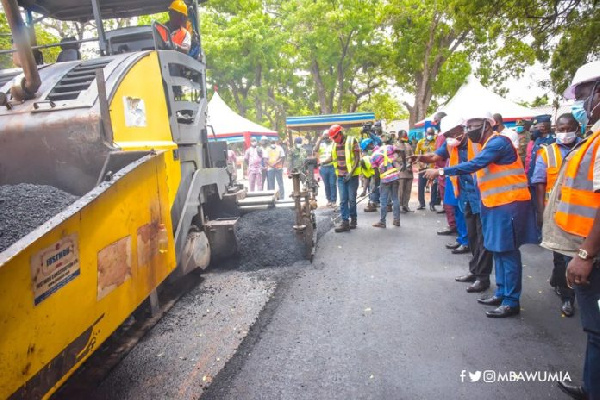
{"points": [[553, 159], [578, 203], [177, 37], [503, 184], [472, 151]]}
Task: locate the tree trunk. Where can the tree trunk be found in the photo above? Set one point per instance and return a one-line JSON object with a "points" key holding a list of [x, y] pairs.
{"points": [[257, 99], [316, 74]]}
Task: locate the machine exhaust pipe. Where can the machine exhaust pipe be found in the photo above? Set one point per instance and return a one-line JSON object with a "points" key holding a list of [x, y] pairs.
{"points": [[29, 85]]}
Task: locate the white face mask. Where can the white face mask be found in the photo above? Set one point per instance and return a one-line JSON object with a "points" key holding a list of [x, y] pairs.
{"points": [[566, 137], [452, 142]]}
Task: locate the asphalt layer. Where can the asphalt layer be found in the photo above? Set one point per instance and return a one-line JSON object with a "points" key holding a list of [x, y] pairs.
{"points": [[24, 207], [379, 316]]}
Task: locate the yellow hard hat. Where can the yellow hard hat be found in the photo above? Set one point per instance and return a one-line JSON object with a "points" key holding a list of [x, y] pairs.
{"points": [[179, 6]]}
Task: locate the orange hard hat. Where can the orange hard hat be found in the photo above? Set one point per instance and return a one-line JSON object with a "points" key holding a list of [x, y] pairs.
{"points": [[334, 130]]}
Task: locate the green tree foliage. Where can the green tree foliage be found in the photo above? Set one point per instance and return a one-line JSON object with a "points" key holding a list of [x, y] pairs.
{"points": [[436, 43]]}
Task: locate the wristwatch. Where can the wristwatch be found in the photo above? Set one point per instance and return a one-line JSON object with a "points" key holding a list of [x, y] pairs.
{"points": [[583, 254], [441, 171]]}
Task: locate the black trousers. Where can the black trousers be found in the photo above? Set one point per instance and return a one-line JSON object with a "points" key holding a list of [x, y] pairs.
{"points": [[482, 262], [558, 277]]}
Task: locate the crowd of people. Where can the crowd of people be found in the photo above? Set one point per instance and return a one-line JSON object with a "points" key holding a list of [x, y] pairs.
{"points": [[501, 188]]}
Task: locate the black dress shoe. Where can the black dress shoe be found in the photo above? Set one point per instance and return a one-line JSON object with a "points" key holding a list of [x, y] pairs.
{"points": [[452, 246], [432, 208], [568, 308], [421, 208], [490, 301], [503, 312], [462, 249], [406, 209], [478, 286], [447, 231], [576, 392], [466, 278], [442, 211]]}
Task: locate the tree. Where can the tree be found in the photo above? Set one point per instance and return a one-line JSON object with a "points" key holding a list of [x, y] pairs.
{"points": [[436, 43]]}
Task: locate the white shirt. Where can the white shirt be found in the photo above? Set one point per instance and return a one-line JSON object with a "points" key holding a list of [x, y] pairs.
{"points": [[512, 135]]}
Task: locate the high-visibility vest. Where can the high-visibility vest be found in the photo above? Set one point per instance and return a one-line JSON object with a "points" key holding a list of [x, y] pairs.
{"points": [[553, 159], [367, 169], [578, 203], [325, 151], [177, 37], [349, 152], [391, 173], [503, 184], [472, 151]]}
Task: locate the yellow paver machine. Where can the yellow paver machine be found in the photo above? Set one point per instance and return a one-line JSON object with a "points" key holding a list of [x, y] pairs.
{"points": [[125, 132]]}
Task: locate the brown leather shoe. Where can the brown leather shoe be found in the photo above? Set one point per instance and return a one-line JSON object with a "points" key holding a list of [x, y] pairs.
{"points": [[343, 227], [352, 223], [379, 225], [396, 222], [370, 208]]}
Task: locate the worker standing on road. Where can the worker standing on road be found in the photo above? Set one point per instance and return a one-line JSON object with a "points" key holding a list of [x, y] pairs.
{"points": [[406, 171], [253, 157], [275, 159], [548, 163], [346, 161], [506, 214], [389, 176], [459, 149], [426, 145], [323, 148], [370, 176], [177, 24], [297, 158], [572, 222]]}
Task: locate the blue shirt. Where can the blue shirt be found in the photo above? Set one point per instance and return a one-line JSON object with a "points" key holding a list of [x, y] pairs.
{"points": [[537, 145], [506, 227], [539, 175], [469, 192]]}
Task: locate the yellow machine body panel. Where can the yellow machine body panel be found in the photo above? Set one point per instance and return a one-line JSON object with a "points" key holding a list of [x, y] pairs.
{"points": [[80, 275], [140, 117]]}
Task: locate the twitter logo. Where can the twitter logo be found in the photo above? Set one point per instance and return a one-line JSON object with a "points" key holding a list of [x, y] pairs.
{"points": [[475, 377]]}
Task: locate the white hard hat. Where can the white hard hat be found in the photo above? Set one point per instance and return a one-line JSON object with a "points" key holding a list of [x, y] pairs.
{"points": [[450, 122], [478, 114], [585, 73]]}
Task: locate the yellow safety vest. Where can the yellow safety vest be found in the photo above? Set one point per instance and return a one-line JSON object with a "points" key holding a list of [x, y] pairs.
{"points": [[367, 169], [349, 153]]}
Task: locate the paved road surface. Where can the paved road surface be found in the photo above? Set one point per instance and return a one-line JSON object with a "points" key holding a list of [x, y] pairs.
{"points": [[376, 316], [379, 316]]}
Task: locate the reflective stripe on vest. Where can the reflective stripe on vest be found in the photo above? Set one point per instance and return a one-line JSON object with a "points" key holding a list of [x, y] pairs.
{"points": [[578, 203], [348, 151], [553, 159], [367, 170], [503, 184], [178, 36], [391, 173], [472, 151], [325, 152]]}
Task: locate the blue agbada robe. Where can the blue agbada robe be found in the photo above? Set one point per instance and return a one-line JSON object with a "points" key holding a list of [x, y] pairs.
{"points": [[506, 227]]}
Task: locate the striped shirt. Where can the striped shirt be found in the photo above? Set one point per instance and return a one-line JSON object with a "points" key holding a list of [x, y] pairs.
{"points": [[340, 149]]}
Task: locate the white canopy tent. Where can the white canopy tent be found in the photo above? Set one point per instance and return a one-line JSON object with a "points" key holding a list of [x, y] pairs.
{"points": [[473, 97], [230, 126]]}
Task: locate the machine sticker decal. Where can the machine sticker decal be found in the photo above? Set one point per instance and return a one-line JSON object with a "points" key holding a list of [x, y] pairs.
{"points": [[135, 111], [114, 266], [54, 267]]}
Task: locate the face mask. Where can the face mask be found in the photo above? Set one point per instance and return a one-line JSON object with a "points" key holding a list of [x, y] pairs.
{"points": [[253, 144], [452, 142], [520, 129], [430, 137], [273, 146], [298, 145], [566, 137], [476, 134], [578, 111]]}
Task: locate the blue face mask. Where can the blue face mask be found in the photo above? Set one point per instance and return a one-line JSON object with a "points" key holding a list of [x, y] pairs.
{"points": [[578, 111], [520, 128]]}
